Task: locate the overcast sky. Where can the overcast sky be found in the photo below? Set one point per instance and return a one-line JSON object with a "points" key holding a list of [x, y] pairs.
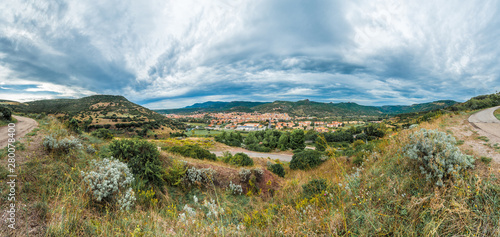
{"points": [[170, 54]]}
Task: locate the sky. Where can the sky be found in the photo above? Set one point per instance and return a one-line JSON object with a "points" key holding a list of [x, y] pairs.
{"points": [[171, 54]]}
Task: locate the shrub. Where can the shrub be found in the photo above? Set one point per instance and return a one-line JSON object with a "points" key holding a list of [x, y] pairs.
{"points": [[90, 149], [313, 187], [306, 159], [175, 173], [238, 159], [109, 182], [142, 158], [5, 113], [235, 189], [244, 175], [259, 174], [50, 143], [437, 155], [102, 133], [277, 169], [204, 175], [193, 151], [485, 159]]}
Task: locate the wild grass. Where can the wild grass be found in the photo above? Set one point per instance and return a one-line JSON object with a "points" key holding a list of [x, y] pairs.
{"points": [[386, 195]]}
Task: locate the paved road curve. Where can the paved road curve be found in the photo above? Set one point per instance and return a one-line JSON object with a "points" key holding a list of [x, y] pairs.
{"points": [[24, 125], [487, 122], [485, 116]]}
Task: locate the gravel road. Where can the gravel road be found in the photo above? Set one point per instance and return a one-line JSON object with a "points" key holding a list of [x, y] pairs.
{"points": [[489, 125], [24, 125]]}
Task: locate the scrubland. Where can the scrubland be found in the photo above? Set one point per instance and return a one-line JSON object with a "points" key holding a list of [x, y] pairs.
{"points": [[390, 186]]}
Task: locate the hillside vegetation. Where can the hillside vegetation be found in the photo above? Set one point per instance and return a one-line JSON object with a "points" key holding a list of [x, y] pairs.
{"points": [[402, 182], [102, 111], [310, 108], [478, 102]]}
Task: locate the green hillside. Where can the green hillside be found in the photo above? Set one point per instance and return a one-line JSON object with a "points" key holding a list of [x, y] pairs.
{"points": [[100, 111], [479, 102], [214, 106], [310, 108], [398, 109]]}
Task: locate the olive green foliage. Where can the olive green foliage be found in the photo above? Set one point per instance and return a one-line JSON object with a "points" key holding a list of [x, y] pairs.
{"points": [[193, 151], [313, 187], [277, 169], [297, 140], [230, 138], [306, 159], [478, 102], [321, 143], [102, 133], [264, 141], [437, 155], [142, 158], [175, 172], [284, 141], [73, 125], [5, 113], [238, 159]]}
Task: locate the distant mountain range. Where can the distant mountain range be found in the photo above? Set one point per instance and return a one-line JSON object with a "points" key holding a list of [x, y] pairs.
{"points": [[309, 108]]}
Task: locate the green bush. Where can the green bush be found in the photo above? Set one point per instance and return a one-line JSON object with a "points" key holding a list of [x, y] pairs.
{"points": [[277, 169], [437, 155], [175, 173], [193, 151], [313, 187], [5, 113], [486, 160], [102, 133], [142, 158], [238, 159], [306, 159]]}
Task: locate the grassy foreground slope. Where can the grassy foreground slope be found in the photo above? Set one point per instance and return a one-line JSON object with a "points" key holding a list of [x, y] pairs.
{"points": [[387, 195]]}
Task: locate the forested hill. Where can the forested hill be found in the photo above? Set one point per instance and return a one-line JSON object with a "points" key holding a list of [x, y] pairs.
{"points": [[309, 108], [100, 109]]}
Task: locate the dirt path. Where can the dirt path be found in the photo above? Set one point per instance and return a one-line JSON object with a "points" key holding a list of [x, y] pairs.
{"points": [[274, 156], [24, 125]]}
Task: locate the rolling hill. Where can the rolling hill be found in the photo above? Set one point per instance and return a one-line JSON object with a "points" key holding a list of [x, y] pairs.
{"points": [[310, 108], [100, 111]]}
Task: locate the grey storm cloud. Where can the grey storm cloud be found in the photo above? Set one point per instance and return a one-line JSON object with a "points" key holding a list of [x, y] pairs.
{"points": [[168, 54]]}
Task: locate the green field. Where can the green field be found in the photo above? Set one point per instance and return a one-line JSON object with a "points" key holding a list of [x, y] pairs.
{"points": [[497, 114]]}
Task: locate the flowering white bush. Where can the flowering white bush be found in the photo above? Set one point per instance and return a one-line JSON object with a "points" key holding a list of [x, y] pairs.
{"points": [[213, 209], [235, 189], [194, 175], [438, 155], [110, 181], [65, 145], [244, 175]]}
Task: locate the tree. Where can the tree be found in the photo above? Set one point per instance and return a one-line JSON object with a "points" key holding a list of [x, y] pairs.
{"points": [[321, 143], [297, 140], [283, 142], [305, 159]]}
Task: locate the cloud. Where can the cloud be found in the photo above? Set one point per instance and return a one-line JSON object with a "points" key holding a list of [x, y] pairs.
{"points": [[173, 53]]}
